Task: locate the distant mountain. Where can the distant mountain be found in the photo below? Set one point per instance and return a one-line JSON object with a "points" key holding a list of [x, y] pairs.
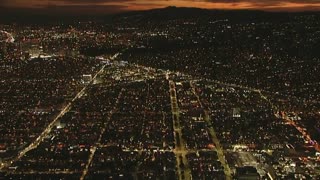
{"points": [[49, 15], [170, 12], [175, 13]]}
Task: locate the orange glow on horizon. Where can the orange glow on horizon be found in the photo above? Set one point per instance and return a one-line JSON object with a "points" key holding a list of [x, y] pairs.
{"points": [[145, 4], [228, 6]]}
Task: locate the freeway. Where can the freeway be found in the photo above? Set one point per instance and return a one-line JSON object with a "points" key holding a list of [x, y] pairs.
{"points": [[48, 129]]}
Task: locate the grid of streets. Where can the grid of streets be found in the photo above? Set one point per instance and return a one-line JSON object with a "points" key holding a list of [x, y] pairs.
{"points": [[137, 122]]}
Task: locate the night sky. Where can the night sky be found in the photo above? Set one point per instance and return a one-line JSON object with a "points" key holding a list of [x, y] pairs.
{"points": [[114, 6]]}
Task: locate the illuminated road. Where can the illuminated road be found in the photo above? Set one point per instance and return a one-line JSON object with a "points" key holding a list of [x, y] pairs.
{"points": [[94, 148], [214, 137], [276, 109], [45, 172], [48, 129], [284, 117], [306, 136], [180, 150]]}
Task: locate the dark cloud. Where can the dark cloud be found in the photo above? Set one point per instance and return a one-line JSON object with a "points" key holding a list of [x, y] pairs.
{"points": [[85, 10], [261, 2], [92, 1]]}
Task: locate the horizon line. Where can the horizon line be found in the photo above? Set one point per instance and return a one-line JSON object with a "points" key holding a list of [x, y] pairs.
{"points": [[64, 12]]}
